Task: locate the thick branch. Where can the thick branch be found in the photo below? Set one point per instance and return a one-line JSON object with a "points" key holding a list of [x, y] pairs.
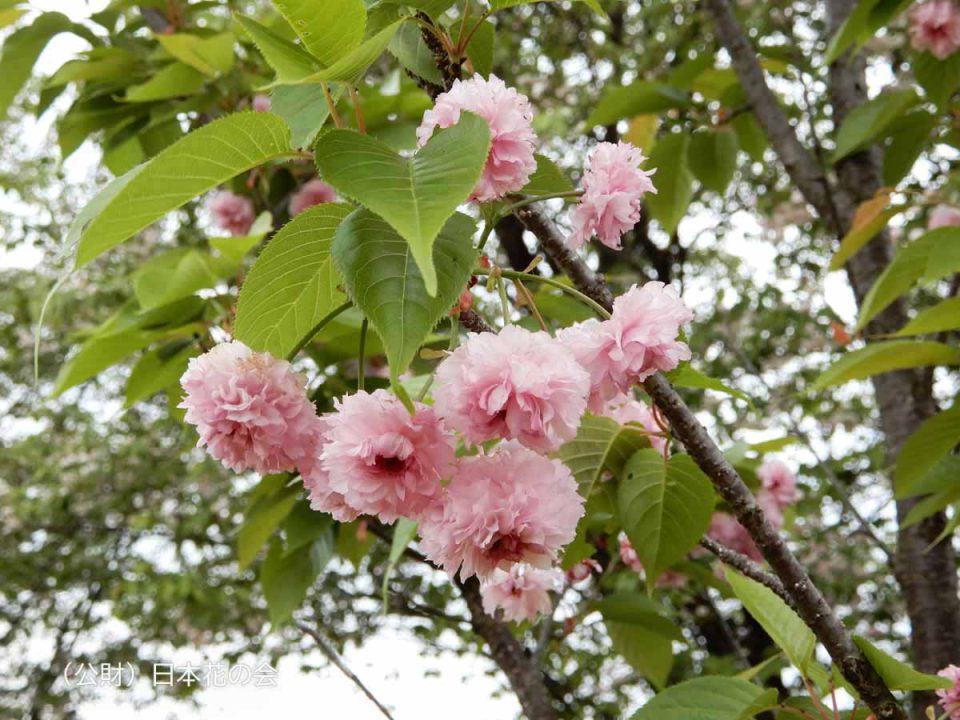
{"points": [[800, 164]]}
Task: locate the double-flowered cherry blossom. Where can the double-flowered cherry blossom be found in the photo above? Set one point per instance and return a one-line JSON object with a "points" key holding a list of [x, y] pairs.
{"points": [[935, 27], [583, 571], [380, 459], [943, 216], [522, 592], [508, 506], [515, 384], [725, 529], [778, 480], [509, 115], [233, 213], [613, 188], [312, 193], [638, 340], [251, 410], [950, 697]]}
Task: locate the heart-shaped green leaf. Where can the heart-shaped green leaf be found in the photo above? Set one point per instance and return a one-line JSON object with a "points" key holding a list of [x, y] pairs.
{"points": [[383, 281], [665, 508], [415, 195]]}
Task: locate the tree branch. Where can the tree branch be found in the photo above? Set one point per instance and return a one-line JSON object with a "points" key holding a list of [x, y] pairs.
{"points": [[746, 566]]}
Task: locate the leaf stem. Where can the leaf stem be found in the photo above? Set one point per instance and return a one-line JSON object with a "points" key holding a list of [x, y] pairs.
{"points": [[540, 198], [465, 42], [331, 105], [528, 299], [513, 274], [317, 328], [504, 301], [362, 355], [357, 112]]}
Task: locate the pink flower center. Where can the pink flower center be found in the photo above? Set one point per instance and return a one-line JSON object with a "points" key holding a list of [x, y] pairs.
{"points": [[390, 464], [506, 547]]}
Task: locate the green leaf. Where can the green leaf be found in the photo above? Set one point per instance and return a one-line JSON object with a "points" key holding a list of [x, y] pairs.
{"points": [[159, 369], [924, 448], [637, 609], [293, 285], [173, 275], [665, 508], [867, 122], [304, 525], [673, 180], [881, 357], [601, 445], [403, 533], [408, 47], [304, 109], [689, 377], [21, 50], [271, 503], [782, 624], [940, 79], [211, 55], [547, 179], [907, 267], [286, 579], [200, 161], [713, 158], [870, 218], [384, 282], [351, 67], [640, 97], [648, 652], [898, 675], [290, 62], [907, 141], [415, 195], [945, 315], [849, 31], [503, 4], [173, 80], [329, 30], [480, 49], [704, 698]]}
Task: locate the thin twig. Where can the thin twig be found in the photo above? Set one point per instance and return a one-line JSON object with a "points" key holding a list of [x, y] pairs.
{"points": [[746, 566], [333, 657]]}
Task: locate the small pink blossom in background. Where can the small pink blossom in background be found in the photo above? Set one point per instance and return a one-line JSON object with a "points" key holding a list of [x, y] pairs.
{"points": [[382, 460], [943, 216], [950, 698], [261, 103], [511, 505], [251, 410], [630, 558], [312, 193], [935, 26], [778, 480], [517, 385], [582, 571], [522, 592], [508, 113], [233, 213], [725, 529], [638, 340], [613, 187], [625, 409]]}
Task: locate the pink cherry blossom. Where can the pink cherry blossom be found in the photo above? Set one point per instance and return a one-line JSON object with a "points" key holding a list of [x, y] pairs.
{"points": [[522, 592], [950, 698], [233, 213], [261, 103], [251, 409], [778, 480], [630, 558], [613, 187], [515, 384], [508, 113], [943, 216], [382, 460], [583, 571], [312, 193], [511, 505], [625, 409], [316, 480], [638, 340], [935, 26]]}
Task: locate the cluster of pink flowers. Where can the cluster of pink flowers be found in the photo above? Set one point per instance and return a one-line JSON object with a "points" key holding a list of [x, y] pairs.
{"points": [[509, 115], [613, 187], [935, 27], [502, 514], [630, 558], [778, 490], [950, 698], [233, 213], [639, 340], [313, 192]]}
